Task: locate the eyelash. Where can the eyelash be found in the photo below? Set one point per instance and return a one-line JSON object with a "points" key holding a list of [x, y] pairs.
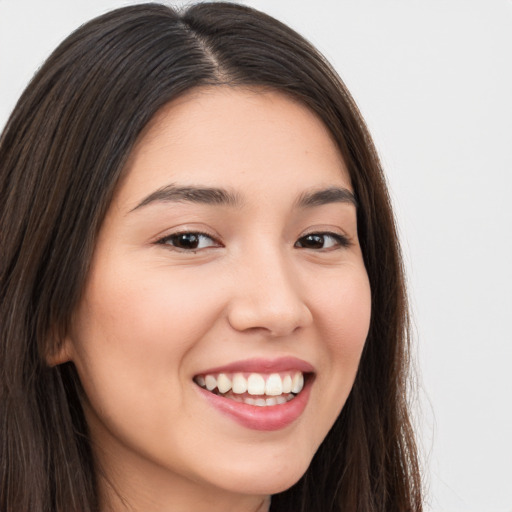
{"points": [[175, 236], [341, 241]]}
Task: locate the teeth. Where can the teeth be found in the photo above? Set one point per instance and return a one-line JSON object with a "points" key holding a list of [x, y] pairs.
{"points": [[256, 384], [239, 384], [223, 383], [297, 383], [274, 385], [211, 382], [287, 384]]}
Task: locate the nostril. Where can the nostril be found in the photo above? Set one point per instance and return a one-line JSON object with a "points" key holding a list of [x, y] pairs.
{"points": [[272, 317]]}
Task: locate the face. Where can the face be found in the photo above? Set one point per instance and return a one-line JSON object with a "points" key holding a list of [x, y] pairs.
{"points": [[227, 303]]}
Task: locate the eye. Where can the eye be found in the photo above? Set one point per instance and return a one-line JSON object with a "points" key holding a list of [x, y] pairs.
{"points": [[322, 241], [189, 241]]}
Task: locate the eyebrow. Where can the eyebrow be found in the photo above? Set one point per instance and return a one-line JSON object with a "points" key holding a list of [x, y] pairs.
{"points": [[221, 196], [200, 195], [326, 196]]}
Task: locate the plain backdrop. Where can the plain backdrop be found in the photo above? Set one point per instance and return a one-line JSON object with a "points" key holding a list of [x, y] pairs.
{"points": [[433, 79]]}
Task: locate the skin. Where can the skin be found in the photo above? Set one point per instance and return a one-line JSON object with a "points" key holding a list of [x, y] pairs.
{"points": [[154, 315]]}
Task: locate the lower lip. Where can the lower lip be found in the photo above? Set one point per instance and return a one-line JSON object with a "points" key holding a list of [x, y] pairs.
{"points": [[272, 417]]}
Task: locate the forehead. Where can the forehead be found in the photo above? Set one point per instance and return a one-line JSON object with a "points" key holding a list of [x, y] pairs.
{"points": [[236, 138]]}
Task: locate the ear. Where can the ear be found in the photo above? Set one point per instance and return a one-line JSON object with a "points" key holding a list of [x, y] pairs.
{"points": [[60, 352]]}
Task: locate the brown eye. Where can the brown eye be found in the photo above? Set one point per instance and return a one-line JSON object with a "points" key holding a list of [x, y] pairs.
{"points": [[319, 241], [311, 242], [189, 241]]}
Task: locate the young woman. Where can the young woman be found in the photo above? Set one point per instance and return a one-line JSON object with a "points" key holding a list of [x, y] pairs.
{"points": [[202, 297]]}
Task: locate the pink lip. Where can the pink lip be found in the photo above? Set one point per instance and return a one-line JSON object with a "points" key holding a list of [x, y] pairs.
{"points": [[273, 417], [268, 418], [281, 364]]}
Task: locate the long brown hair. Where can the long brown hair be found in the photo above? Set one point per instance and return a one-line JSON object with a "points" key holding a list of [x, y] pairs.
{"points": [[62, 154]]}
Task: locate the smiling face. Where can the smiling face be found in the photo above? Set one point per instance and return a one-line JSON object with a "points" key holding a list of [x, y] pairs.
{"points": [[227, 270]]}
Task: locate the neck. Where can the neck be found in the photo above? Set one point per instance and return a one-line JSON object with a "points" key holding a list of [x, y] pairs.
{"points": [[130, 493], [117, 503]]}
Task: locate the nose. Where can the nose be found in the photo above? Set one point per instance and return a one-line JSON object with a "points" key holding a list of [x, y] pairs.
{"points": [[268, 297]]}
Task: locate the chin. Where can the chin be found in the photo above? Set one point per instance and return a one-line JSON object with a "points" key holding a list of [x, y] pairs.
{"points": [[266, 479]]}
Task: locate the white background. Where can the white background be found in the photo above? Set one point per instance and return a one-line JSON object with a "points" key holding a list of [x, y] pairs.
{"points": [[434, 80]]}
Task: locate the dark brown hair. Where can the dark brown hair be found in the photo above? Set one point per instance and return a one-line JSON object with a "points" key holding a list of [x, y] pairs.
{"points": [[62, 154]]}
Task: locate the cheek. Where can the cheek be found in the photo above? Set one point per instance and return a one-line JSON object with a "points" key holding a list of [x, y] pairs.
{"points": [[346, 312], [135, 311], [132, 334], [344, 321]]}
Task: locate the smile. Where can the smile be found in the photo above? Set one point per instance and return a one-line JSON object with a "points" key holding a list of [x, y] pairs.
{"points": [[259, 394], [257, 389]]}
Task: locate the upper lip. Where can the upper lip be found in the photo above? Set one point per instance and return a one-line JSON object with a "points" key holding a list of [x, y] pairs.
{"points": [[262, 365]]}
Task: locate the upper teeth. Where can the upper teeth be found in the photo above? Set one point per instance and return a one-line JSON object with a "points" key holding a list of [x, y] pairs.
{"points": [[273, 384]]}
